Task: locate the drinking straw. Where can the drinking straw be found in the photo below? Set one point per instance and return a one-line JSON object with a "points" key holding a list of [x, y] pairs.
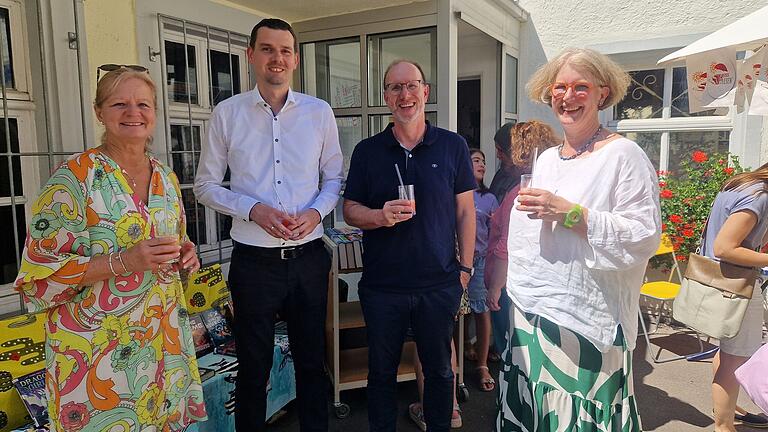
{"points": [[399, 177], [533, 163]]}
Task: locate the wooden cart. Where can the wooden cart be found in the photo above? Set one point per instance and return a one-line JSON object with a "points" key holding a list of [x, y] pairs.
{"points": [[348, 368]]}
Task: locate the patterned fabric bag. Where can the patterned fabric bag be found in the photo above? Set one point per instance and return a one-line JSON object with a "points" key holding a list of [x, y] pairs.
{"points": [[464, 304], [22, 351]]}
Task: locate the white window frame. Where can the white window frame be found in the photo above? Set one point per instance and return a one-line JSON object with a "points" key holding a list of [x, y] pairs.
{"points": [[668, 124], [179, 115], [19, 50]]}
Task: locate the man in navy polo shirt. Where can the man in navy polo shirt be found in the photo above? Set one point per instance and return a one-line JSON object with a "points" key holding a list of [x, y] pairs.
{"points": [[411, 276]]}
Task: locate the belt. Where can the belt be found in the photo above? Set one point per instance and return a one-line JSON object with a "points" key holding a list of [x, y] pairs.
{"points": [[281, 253]]}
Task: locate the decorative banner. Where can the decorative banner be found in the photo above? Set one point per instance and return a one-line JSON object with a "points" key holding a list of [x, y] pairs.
{"points": [[758, 98], [711, 79]]}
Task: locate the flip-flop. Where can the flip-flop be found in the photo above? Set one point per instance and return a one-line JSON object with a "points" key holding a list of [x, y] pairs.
{"points": [[486, 384]]}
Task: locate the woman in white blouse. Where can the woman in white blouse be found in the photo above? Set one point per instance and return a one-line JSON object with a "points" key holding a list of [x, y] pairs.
{"points": [[579, 240]]}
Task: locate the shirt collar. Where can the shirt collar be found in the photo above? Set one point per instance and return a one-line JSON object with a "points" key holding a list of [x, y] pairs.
{"points": [[430, 135], [290, 100]]}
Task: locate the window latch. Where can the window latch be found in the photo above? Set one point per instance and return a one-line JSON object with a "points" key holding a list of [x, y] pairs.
{"points": [[72, 39]]}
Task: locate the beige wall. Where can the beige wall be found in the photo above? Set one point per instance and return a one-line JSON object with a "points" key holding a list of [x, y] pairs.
{"points": [[111, 33]]}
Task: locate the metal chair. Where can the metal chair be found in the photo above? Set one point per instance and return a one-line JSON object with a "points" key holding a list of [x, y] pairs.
{"points": [[663, 292]]}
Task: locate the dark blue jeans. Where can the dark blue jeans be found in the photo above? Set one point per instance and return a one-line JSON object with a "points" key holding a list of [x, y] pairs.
{"points": [[388, 316], [297, 289]]}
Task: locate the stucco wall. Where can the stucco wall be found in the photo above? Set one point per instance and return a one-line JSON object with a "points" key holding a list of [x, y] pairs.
{"points": [[111, 32], [554, 25]]}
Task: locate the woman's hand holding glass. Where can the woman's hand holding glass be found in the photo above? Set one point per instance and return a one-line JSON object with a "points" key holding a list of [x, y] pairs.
{"points": [[543, 204], [151, 254], [189, 261]]}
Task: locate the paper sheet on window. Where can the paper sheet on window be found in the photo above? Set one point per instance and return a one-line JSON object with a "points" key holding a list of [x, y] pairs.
{"points": [[757, 92]]}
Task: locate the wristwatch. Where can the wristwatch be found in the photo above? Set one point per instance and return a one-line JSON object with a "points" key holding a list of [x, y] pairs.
{"points": [[573, 216], [469, 270]]}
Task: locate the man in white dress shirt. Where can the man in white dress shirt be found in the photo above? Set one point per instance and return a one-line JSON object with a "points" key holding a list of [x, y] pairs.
{"points": [[282, 149]]}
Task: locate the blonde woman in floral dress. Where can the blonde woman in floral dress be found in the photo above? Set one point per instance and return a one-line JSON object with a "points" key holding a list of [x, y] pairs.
{"points": [[119, 353]]}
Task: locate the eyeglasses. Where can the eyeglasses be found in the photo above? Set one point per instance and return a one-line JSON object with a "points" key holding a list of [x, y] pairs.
{"points": [[580, 89], [109, 67], [397, 88]]}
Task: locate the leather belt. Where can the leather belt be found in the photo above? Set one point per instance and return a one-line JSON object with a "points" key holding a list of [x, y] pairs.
{"points": [[281, 253]]}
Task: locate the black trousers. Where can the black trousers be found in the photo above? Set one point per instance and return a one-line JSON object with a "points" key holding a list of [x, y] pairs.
{"points": [[297, 289], [430, 315]]}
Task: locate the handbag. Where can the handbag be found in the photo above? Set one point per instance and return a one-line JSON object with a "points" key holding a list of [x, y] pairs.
{"points": [[714, 295], [753, 378]]}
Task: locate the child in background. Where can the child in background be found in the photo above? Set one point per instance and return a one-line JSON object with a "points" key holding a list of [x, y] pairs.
{"points": [[485, 205]]}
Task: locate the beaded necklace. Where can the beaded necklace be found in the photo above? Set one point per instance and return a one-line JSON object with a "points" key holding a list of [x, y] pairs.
{"points": [[581, 149]]}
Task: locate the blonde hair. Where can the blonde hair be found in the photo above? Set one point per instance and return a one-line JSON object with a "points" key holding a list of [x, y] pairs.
{"points": [[524, 137], [601, 68], [112, 80]]}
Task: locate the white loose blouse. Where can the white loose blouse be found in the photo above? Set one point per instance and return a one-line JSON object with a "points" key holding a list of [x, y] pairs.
{"points": [[592, 285]]}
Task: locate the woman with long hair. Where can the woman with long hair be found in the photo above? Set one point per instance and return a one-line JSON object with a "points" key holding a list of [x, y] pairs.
{"points": [[736, 228]]}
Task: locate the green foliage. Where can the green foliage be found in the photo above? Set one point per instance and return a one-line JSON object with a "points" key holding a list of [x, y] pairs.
{"points": [[687, 196]]}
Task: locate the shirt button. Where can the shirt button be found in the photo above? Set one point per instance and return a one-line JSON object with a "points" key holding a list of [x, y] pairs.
{"points": [[277, 161], [265, 105], [275, 118], [279, 182], [410, 155], [276, 140]]}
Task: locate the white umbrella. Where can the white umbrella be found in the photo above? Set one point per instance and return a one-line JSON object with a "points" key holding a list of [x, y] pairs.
{"points": [[748, 32]]}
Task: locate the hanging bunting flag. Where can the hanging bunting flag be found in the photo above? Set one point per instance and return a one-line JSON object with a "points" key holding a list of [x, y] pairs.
{"points": [[758, 98], [711, 79]]}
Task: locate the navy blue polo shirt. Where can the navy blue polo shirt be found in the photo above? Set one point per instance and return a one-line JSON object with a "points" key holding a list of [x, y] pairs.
{"points": [[418, 254]]}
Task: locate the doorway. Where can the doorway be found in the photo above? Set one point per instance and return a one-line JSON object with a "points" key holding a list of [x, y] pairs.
{"points": [[468, 112]]}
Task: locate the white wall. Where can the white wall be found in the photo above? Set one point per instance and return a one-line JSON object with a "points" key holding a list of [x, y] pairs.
{"points": [[478, 57], [552, 26]]}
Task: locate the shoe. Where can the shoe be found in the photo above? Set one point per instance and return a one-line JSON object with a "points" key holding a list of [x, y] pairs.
{"points": [[486, 384], [751, 420], [456, 420], [417, 415]]}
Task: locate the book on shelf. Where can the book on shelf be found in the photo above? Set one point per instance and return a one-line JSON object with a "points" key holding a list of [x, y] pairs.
{"points": [[31, 388], [205, 373], [219, 331], [349, 246], [200, 336]]}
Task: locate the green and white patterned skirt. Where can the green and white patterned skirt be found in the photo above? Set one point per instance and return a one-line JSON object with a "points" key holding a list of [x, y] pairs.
{"points": [[556, 380]]}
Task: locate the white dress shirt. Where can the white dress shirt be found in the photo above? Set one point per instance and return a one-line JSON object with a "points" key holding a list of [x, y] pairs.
{"points": [[592, 285], [288, 159]]}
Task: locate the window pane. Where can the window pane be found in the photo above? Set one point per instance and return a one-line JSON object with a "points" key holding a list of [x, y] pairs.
{"points": [[178, 88], [683, 144], [650, 142], [8, 266], [377, 123], [680, 96], [5, 178], [195, 220], [6, 53], [645, 97], [510, 94], [182, 143], [384, 49], [331, 71], [225, 76], [350, 133]]}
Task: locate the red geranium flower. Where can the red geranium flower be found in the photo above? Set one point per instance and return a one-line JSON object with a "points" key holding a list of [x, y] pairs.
{"points": [[687, 233], [728, 170], [663, 227], [662, 184], [666, 193], [676, 219], [681, 257], [699, 156]]}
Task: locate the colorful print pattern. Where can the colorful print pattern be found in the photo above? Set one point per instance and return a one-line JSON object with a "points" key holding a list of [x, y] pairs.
{"points": [[555, 380], [119, 353]]}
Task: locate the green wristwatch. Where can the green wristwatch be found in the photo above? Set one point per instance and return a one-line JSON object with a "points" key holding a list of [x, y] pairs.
{"points": [[573, 216]]}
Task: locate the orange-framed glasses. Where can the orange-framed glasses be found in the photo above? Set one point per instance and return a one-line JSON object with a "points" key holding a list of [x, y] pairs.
{"points": [[580, 89]]}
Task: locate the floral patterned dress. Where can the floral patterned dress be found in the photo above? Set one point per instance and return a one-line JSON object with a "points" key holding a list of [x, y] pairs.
{"points": [[119, 353]]}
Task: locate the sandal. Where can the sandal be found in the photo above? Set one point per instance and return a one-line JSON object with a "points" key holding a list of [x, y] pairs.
{"points": [[417, 415], [486, 384], [456, 417]]}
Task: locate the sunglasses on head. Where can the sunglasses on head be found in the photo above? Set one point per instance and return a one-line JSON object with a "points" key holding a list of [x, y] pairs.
{"points": [[109, 67], [580, 89]]}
